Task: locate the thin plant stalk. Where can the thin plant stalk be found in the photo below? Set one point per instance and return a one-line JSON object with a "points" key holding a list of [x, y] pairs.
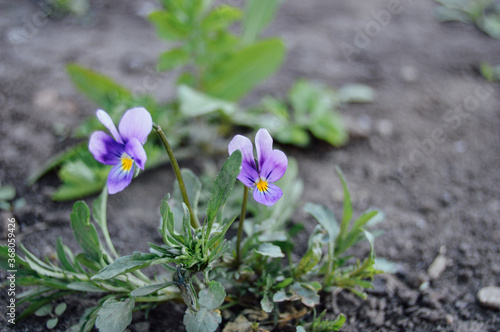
{"points": [[194, 222], [240, 227]]}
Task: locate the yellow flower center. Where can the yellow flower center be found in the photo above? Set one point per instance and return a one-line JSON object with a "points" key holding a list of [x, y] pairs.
{"points": [[262, 185], [127, 162]]}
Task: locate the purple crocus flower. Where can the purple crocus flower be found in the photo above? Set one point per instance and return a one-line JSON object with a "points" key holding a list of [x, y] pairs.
{"points": [[125, 148], [272, 165]]}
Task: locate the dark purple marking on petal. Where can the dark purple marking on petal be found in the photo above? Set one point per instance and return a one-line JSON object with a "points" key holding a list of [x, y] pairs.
{"points": [[118, 178], [264, 146], [105, 149], [243, 144], [275, 166], [108, 123], [268, 197], [135, 150], [136, 123], [248, 175]]}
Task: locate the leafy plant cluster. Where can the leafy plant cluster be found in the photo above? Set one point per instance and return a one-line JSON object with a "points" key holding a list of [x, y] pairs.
{"points": [[197, 265], [485, 14], [220, 56]]}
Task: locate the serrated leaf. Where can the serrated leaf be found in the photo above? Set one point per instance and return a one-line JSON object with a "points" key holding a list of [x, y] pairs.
{"points": [[60, 308], [115, 316], [270, 250], [84, 232], [202, 321], [223, 186], [212, 297], [195, 103], [234, 78]]}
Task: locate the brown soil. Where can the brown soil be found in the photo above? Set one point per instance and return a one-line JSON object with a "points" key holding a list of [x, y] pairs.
{"points": [[430, 160]]}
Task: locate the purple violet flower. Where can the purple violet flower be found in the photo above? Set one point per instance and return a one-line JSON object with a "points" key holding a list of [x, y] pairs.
{"points": [[125, 148], [272, 165]]}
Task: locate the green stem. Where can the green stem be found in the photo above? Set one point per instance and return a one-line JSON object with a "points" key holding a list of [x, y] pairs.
{"points": [[240, 227], [194, 222]]}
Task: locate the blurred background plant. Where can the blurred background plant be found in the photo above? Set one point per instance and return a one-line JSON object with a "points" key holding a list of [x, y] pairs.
{"points": [[485, 14], [218, 67]]}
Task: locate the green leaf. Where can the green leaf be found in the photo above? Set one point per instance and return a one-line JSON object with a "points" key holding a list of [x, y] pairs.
{"points": [[84, 260], [310, 260], [266, 303], [347, 212], [55, 161], [168, 26], [202, 321], [233, 78], [356, 93], [325, 217], [99, 207], [194, 103], [97, 87], [293, 134], [129, 263], [7, 193], [307, 295], [60, 308], [51, 323], [329, 127], [283, 283], [85, 286], [270, 250], [171, 59], [61, 251], [80, 178], [221, 18], [84, 232], [223, 186], [212, 297], [258, 15], [148, 289], [115, 316], [44, 311]]}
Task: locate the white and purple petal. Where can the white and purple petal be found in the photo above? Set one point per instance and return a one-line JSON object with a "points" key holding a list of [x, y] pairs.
{"points": [[118, 178], [264, 146], [135, 150], [268, 197], [274, 166], [108, 123], [105, 149], [136, 123], [243, 144]]}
